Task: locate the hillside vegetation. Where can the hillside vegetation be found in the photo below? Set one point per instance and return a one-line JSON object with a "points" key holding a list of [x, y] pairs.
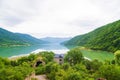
{"points": [[105, 38], [8, 38]]}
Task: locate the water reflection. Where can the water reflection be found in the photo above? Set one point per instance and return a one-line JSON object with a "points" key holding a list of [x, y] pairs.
{"points": [[23, 50]]}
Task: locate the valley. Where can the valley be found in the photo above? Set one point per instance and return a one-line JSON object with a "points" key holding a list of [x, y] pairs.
{"points": [[87, 55]]}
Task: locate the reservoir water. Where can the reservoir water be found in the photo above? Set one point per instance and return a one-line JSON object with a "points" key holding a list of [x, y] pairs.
{"points": [[24, 50], [54, 47]]}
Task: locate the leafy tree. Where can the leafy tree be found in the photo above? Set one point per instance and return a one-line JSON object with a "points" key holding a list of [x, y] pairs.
{"points": [[10, 74], [92, 67], [40, 70], [74, 56], [61, 75], [117, 57], [22, 59], [109, 72], [65, 66], [47, 56], [51, 67], [80, 68], [74, 76], [5, 61], [29, 59], [32, 57]]}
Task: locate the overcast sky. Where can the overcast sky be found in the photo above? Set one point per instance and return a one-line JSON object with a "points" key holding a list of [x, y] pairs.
{"points": [[57, 18]]}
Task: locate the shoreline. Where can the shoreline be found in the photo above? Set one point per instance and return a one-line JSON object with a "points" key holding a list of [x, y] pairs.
{"points": [[56, 56], [56, 52]]}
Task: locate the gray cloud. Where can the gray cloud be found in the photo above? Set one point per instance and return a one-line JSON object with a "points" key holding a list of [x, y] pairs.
{"points": [[11, 20], [85, 23], [59, 16], [13, 12], [109, 7]]}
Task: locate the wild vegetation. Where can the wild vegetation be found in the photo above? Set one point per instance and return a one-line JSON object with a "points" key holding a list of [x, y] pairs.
{"points": [[8, 38], [75, 67], [105, 38]]}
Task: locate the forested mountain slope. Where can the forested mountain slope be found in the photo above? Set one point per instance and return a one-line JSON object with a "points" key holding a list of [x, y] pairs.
{"points": [[8, 38], [106, 38]]}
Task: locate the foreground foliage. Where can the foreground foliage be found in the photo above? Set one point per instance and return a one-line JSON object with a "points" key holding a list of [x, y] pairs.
{"points": [[75, 67], [23, 67], [82, 69]]}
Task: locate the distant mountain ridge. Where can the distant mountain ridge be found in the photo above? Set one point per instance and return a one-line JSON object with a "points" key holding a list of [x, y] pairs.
{"points": [[105, 38], [55, 39], [8, 38]]}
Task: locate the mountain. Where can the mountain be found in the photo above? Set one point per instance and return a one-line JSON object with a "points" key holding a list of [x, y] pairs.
{"points": [[105, 38], [8, 38], [54, 39]]}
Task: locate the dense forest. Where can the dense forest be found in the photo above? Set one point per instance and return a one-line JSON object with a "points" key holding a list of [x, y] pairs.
{"points": [[8, 38], [74, 67], [105, 38]]}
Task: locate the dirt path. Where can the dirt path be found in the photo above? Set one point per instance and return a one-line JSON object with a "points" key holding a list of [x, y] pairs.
{"points": [[41, 77]]}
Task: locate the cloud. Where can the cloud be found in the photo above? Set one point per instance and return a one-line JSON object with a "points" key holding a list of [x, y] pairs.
{"points": [[16, 11], [61, 18]]}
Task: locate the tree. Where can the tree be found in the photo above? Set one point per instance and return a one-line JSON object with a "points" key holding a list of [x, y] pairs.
{"points": [[32, 57], [117, 57], [74, 56], [65, 66], [51, 69], [10, 73], [74, 76], [47, 56], [93, 65], [61, 75], [109, 72]]}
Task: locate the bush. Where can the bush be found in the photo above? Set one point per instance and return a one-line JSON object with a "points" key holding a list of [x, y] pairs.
{"points": [[40, 70], [74, 76], [74, 56], [109, 72], [47, 56], [117, 57]]}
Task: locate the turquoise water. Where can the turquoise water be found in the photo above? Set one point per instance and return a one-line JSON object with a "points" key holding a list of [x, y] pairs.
{"points": [[56, 48], [96, 54], [23, 50]]}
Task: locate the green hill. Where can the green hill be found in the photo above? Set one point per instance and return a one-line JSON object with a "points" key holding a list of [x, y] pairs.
{"points": [[8, 38], [105, 38]]}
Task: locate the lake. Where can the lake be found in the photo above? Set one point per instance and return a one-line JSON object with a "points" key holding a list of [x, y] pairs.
{"points": [[25, 50], [56, 48]]}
